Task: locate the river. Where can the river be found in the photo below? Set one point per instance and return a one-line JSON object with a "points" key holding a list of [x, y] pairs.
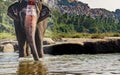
{"points": [[84, 64]]}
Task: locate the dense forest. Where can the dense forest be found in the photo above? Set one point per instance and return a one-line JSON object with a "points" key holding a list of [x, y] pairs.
{"points": [[6, 23], [81, 23]]}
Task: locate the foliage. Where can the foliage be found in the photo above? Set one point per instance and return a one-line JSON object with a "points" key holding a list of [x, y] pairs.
{"points": [[57, 36], [7, 36], [6, 23], [83, 24], [66, 25], [6, 28]]}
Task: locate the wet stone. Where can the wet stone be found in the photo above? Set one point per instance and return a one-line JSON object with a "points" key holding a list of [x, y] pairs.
{"points": [[8, 48]]}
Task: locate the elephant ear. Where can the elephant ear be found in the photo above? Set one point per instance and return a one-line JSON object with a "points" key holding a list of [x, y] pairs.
{"points": [[38, 4], [44, 13], [12, 11]]}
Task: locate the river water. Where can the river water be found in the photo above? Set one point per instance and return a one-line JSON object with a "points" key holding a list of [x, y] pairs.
{"points": [[84, 64]]}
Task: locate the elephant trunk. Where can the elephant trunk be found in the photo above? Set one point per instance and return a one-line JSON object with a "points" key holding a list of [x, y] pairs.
{"points": [[30, 27]]}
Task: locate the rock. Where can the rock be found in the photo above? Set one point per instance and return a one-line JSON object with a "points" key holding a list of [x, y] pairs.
{"points": [[16, 47], [64, 48], [8, 41], [72, 46], [3, 43], [8, 48], [97, 12], [108, 46], [80, 8], [48, 41], [1, 48], [84, 46]]}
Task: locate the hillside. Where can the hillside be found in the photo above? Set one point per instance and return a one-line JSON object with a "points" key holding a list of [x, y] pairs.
{"points": [[70, 16], [117, 14], [80, 8]]}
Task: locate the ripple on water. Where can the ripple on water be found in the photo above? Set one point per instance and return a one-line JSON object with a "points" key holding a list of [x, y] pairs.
{"points": [[84, 63], [8, 63], [99, 64]]}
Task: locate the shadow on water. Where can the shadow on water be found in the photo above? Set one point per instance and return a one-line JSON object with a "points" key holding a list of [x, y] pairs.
{"points": [[31, 68]]}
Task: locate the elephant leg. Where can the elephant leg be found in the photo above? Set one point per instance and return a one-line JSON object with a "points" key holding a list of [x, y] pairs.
{"points": [[41, 27], [30, 27], [28, 51], [37, 41], [21, 37]]}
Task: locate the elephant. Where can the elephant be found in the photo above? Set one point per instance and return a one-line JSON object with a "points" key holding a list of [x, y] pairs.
{"points": [[29, 28]]}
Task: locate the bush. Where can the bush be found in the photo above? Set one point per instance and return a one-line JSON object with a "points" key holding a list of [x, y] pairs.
{"points": [[7, 36]]}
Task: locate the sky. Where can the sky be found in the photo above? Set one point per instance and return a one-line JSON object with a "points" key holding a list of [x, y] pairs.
{"points": [[111, 5]]}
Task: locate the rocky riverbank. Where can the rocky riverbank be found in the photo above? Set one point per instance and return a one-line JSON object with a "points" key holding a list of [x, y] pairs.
{"points": [[84, 46], [72, 46], [12, 45], [8, 46]]}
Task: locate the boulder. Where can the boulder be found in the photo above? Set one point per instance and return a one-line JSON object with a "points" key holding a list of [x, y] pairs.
{"points": [[108, 46], [48, 41], [1, 48], [84, 46], [13, 43], [8, 48], [64, 48]]}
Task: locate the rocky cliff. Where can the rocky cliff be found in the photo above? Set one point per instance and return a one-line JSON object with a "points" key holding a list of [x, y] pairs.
{"points": [[101, 12], [77, 7], [117, 14]]}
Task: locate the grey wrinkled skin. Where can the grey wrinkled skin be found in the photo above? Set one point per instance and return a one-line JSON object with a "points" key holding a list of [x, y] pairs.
{"points": [[34, 34], [31, 36], [13, 11]]}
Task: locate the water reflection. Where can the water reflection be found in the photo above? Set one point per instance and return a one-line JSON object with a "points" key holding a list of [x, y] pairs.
{"points": [[99, 64], [71, 74], [31, 68]]}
